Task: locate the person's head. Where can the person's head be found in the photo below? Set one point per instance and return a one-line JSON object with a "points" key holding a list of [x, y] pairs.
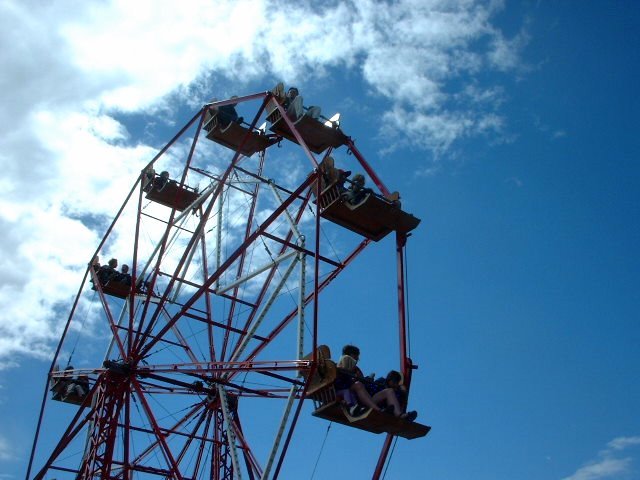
{"points": [[394, 379], [352, 351], [113, 263], [292, 93], [164, 174], [358, 179], [125, 268], [96, 260], [347, 362]]}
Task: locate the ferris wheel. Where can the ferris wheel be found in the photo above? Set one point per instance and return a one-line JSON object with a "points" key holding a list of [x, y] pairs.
{"points": [[194, 363]]}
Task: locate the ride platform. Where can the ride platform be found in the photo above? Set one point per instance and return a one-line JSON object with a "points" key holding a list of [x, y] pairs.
{"points": [[372, 421], [329, 406], [316, 135], [115, 289], [173, 195], [58, 390], [374, 217], [237, 137]]}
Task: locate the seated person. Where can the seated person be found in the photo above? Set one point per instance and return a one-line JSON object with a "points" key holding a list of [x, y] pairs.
{"points": [[78, 387], [147, 179], [345, 377], [371, 395], [278, 94], [292, 103], [228, 114], [393, 382], [331, 174], [95, 265], [59, 385], [107, 272], [356, 193], [152, 181], [159, 182], [124, 276], [224, 114]]}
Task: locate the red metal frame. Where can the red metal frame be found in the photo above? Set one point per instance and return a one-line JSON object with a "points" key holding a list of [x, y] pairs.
{"points": [[126, 386]]}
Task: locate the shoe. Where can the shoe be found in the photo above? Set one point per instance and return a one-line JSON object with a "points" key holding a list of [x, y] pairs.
{"points": [[393, 197], [357, 410], [388, 409], [410, 416]]}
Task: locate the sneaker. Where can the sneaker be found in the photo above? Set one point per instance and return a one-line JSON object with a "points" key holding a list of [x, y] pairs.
{"points": [[388, 409], [393, 197], [357, 410], [411, 416]]}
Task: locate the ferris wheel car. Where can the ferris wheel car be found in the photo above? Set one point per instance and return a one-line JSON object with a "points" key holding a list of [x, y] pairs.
{"points": [[315, 134], [373, 217], [115, 289], [235, 136], [68, 388], [329, 405], [172, 195]]}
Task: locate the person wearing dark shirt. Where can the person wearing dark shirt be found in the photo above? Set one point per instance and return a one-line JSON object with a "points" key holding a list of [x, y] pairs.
{"points": [[107, 272]]}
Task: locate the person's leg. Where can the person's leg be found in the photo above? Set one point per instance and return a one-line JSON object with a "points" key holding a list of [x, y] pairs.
{"points": [[313, 112], [388, 395], [363, 396], [295, 109], [278, 90], [347, 396]]}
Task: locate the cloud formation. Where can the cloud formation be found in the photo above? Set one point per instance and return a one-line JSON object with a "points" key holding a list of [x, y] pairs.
{"points": [[608, 463], [5, 450], [71, 73]]}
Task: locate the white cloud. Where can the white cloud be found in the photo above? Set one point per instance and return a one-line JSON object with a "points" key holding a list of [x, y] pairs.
{"points": [[622, 443], [604, 468], [70, 71], [6, 453], [608, 463]]}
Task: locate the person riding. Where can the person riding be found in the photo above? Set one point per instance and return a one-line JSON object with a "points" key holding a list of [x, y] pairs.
{"points": [[356, 193], [371, 395], [107, 272], [228, 114], [332, 175], [292, 102], [124, 276]]}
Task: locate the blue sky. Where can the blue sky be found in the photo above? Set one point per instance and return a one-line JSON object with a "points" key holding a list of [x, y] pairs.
{"points": [[509, 129]]}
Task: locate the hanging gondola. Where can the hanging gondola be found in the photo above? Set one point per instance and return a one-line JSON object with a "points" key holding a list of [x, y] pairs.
{"points": [[330, 406]]}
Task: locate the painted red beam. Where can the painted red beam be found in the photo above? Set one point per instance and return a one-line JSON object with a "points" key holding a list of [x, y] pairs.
{"points": [[272, 271], [232, 258], [276, 331], [210, 290], [177, 227], [367, 168], [218, 324], [300, 249]]}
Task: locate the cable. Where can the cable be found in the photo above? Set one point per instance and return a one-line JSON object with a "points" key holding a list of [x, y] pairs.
{"points": [[406, 289], [321, 449], [384, 475], [84, 318]]}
